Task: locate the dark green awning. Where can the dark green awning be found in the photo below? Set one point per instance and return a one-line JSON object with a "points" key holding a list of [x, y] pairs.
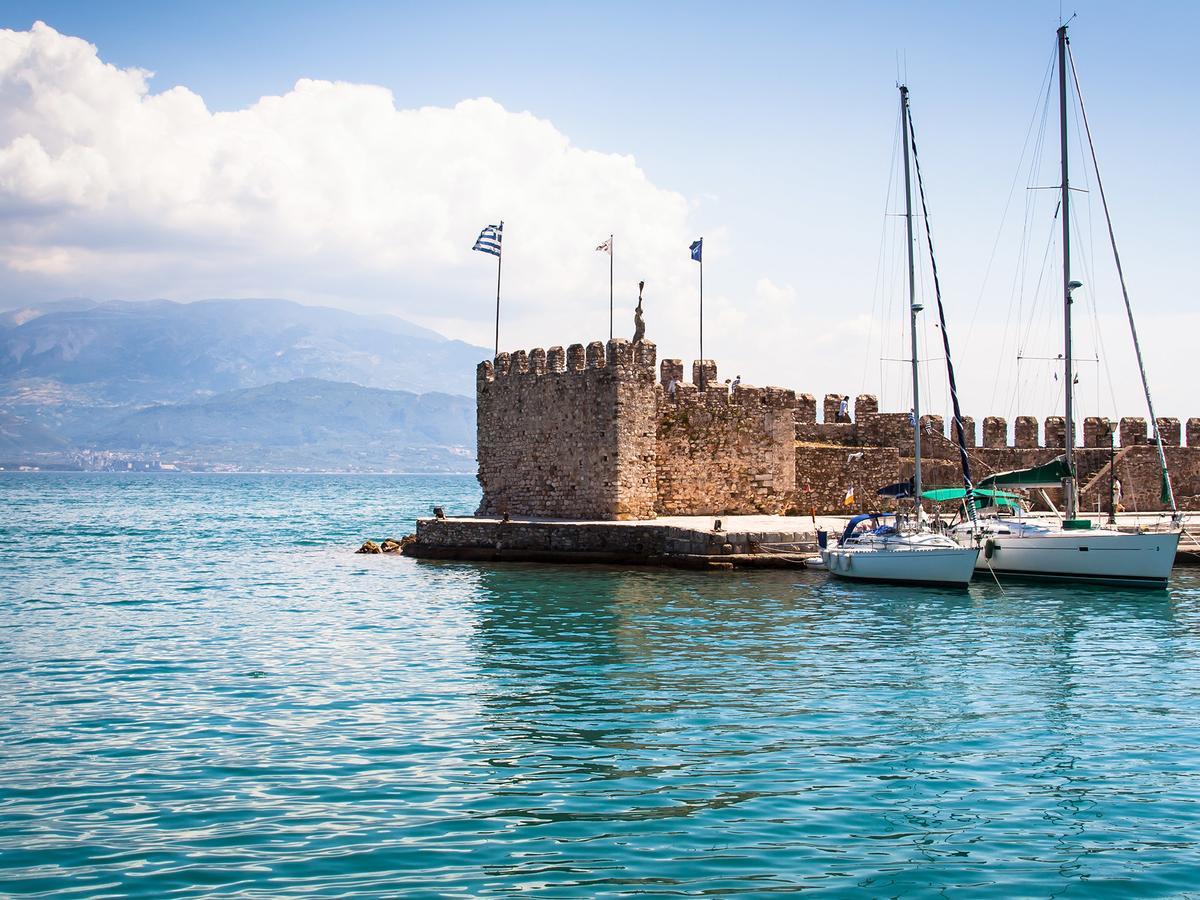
{"points": [[1048, 474]]}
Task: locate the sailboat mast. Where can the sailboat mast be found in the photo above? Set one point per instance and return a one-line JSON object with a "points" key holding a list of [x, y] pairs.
{"points": [[913, 308], [1065, 211]]}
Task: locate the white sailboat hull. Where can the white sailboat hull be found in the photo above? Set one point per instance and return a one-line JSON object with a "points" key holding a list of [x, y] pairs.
{"points": [[909, 565], [1093, 555]]}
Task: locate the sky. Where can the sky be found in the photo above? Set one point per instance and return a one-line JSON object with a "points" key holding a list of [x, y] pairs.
{"points": [[347, 155]]}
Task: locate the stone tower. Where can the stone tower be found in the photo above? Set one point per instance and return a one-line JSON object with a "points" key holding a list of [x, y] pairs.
{"points": [[569, 434]]}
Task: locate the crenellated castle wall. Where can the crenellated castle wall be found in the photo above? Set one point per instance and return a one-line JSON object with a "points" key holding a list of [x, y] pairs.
{"points": [[590, 432], [723, 451], [1134, 456]]}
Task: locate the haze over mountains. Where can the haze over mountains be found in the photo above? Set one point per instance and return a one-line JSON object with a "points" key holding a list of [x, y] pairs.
{"points": [[245, 384]]}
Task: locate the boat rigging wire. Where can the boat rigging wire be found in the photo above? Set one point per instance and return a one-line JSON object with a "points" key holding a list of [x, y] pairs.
{"points": [[1040, 314], [1168, 490], [959, 434], [1020, 270], [1012, 189], [1091, 298]]}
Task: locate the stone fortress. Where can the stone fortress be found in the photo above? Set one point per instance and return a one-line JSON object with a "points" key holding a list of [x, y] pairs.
{"points": [[595, 433]]}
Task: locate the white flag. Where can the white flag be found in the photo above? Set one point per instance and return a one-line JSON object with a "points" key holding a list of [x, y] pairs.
{"points": [[606, 247]]}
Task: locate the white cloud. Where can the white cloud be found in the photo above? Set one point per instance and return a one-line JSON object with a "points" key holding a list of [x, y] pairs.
{"points": [[331, 194], [327, 193]]}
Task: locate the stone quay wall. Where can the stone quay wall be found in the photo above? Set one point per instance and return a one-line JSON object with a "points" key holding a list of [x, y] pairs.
{"points": [[600, 538], [590, 432]]}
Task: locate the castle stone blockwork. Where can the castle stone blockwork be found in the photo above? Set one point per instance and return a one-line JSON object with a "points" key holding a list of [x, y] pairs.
{"points": [[719, 450], [592, 433], [571, 435], [598, 432]]}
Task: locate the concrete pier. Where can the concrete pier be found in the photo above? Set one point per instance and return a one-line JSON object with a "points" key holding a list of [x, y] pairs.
{"points": [[693, 542], [705, 542]]}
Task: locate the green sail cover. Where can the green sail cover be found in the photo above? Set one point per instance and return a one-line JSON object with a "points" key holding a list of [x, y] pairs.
{"points": [[942, 494], [997, 498], [1048, 474]]}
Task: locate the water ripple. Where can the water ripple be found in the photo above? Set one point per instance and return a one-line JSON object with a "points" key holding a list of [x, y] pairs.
{"points": [[207, 695]]}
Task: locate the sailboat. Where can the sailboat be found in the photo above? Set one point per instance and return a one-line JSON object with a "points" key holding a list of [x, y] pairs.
{"points": [[907, 551], [1074, 549]]}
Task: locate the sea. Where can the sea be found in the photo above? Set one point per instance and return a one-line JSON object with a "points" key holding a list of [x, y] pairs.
{"points": [[207, 693]]}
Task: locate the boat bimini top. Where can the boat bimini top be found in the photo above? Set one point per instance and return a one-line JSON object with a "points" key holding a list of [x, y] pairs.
{"points": [[863, 517]]}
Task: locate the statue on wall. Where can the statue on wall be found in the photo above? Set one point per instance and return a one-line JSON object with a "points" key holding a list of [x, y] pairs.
{"points": [[639, 324]]}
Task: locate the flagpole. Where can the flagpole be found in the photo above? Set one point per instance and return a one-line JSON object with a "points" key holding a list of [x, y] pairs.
{"points": [[499, 260], [610, 287], [702, 315]]}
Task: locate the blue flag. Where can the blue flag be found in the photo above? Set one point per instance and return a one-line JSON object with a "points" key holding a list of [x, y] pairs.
{"points": [[697, 247]]}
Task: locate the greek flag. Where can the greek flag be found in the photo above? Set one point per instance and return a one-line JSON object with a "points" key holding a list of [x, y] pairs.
{"points": [[489, 239]]}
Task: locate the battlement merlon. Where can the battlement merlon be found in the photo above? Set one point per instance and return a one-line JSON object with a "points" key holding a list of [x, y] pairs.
{"points": [[1098, 431], [865, 405], [619, 357], [806, 409], [704, 374], [744, 395], [874, 428], [1168, 428]]}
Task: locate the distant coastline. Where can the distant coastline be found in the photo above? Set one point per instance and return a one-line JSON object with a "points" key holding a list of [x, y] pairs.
{"points": [[231, 385]]}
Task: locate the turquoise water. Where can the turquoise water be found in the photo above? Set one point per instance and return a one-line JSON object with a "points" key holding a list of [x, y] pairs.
{"points": [[206, 693]]}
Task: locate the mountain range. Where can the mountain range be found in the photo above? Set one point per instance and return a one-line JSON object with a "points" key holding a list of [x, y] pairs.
{"points": [[259, 384]]}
